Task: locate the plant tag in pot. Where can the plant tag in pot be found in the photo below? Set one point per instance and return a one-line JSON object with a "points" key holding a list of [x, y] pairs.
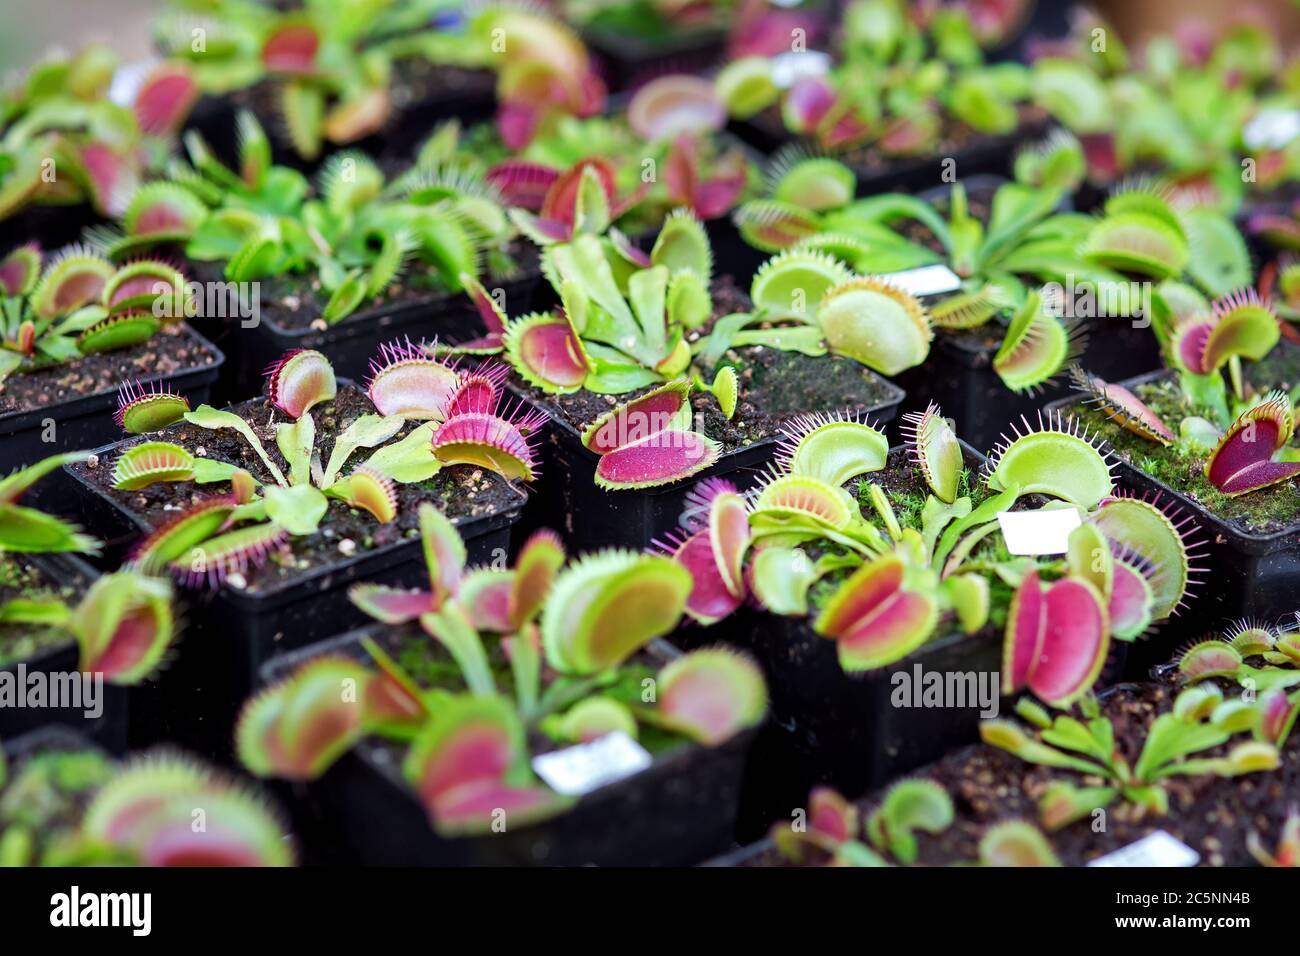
{"points": [[789, 68], [1155, 849], [925, 280], [1271, 129], [583, 768], [1038, 532]]}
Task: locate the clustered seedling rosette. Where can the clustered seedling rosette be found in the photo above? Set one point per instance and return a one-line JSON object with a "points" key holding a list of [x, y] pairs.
{"points": [[76, 807], [900, 89], [337, 72], [63, 142], [543, 648], [123, 624], [427, 415], [880, 586], [79, 303], [358, 233], [1190, 108]]}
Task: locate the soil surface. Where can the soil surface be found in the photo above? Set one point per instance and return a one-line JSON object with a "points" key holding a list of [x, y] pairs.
{"points": [[462, 492], [775, 386], [174, 349], [1212, 815], [21, 579]]}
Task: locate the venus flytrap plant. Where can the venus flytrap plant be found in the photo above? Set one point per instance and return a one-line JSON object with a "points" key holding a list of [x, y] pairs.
{"points": [[29, 530], [1288, 845], [78, 304], [463, 419], [1024, 238], [1197, 722], [562, 636]]}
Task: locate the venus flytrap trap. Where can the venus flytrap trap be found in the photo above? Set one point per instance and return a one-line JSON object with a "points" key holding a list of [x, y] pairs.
{"points": [[540, 648], [1175, 744]]}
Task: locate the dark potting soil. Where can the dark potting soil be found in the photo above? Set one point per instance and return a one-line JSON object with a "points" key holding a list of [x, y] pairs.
{"points": [[1265, 511], [462, 492], [1212, 815], [172, 350], [954, 137], [775, 386], [295, 302], [21, 579]]}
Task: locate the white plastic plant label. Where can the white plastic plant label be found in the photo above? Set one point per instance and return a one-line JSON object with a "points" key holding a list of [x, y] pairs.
{"points": [[127, 80], [1155, 849], [925, 280], [1271, 129], [583, 768], [788, 68], [1033, 533]]}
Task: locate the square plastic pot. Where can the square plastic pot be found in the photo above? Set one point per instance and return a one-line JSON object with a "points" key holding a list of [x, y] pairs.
{"points": [[677, 812], [109, 729], [84, 423], [230, 633], [1247, 575], [628, 60]]}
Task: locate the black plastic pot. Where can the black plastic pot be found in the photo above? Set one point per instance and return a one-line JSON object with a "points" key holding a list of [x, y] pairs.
{"points": [[830, 727], [109, 729], [1247, 575], [45, 740], [844, 730], [85, 423], [353, 342], [230, 633], [49, 226], [959, 373], [628, 60], [589, 517], [677, 812]]}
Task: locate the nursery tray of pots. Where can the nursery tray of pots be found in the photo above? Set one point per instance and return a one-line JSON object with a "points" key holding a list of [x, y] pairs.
{"points": [[677, 812], [85, 422], [1248, 575], [351, 343], [230, 632], [109, 729], [830, 727]]}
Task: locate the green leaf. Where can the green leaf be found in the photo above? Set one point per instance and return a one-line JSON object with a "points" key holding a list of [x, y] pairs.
{"points": [[205, 416], [298, 509]]}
